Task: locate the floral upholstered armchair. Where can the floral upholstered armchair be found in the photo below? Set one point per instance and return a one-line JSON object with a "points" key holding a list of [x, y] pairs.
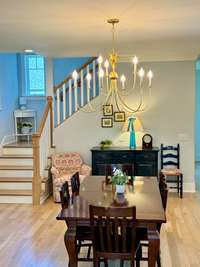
{"points": [[64, 165]]}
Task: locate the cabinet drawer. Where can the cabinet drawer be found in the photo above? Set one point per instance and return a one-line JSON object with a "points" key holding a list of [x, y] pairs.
{"points": [[147, 156], [112, 157]]}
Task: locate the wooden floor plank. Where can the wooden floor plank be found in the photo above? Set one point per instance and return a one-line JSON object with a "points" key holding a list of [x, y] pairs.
{"points": [[31, 236]]}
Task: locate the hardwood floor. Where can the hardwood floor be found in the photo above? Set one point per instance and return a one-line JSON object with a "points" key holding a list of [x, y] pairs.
{"points": [[31, 236]]}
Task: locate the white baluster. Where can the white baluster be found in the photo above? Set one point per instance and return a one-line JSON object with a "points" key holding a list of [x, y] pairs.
{"points": [[76, 95], [70, 97], [64, 102], [58, 105], [88, 87], [82, 87], [94, 78]]}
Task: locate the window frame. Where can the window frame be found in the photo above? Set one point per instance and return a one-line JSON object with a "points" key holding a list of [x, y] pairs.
{"points": [[25, 89]]}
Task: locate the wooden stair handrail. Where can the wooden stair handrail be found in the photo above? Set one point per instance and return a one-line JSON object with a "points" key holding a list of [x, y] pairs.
{"points": [[70, 76], [48, 109], [36, 183]]}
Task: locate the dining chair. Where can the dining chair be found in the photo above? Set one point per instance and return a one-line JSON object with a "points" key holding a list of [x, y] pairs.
{"points": [[170, 167], [83, 233], [114, 236]]}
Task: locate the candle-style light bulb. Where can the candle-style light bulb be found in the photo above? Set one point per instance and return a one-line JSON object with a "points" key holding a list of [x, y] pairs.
{"points": [[101, 73], [100, 60], [135, 60], [123, 80], [135, 63], [75, 75], [150, 76], [88, 79], [141, 75]]}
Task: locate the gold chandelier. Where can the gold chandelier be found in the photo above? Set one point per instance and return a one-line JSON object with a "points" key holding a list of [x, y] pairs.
{"points": [[113, 88]]}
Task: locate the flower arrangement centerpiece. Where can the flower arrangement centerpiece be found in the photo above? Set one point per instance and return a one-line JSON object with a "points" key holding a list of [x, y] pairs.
{"points": [[119, 179]]}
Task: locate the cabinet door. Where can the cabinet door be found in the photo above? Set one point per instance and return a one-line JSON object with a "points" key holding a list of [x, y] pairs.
{"points": [[145, 169], [99, 169]]}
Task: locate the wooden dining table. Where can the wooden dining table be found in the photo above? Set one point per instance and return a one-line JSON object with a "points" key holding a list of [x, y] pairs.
{"points": [[142, 193]]}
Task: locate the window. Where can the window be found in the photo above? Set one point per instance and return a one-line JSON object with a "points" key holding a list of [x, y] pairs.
{"points": [[34, 70]]}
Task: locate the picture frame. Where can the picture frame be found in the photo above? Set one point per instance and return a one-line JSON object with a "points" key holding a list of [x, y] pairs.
{"points": [[107, 110], [119, 116], [106, 122]]}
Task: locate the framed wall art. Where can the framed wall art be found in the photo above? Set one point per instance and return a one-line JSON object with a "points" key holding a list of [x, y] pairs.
{"points": [[119, 116], [106, 122], [107, 110]]}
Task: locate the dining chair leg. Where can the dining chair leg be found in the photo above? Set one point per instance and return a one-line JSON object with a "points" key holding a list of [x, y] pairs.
{"points": [[89, 252], [158, 260], [181, 186], [96, 262], [178, 184], [138, 256], [106, 263]]}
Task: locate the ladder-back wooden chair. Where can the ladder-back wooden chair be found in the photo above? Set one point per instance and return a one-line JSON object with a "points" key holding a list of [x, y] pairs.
{"points": [[114, 233], [170, 167]]}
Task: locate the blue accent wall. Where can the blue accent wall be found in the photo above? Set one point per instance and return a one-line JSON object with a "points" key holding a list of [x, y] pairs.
{"points": [[8, 92], [62, 67]]}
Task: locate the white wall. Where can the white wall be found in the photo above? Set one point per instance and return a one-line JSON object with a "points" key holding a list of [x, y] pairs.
{"points": [[169, 119]]}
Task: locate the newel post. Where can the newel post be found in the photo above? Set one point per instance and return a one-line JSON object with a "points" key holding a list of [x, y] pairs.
{"points": [[36, 183]]}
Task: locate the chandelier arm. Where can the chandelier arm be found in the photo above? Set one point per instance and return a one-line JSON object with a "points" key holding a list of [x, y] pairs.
{"points": [[125, 107], [116, 102], [126, 92], [107, 98], [129, 108], [92, 109]]}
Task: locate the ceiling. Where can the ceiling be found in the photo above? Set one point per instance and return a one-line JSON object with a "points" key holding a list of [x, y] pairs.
{"points": [[152, 29]]}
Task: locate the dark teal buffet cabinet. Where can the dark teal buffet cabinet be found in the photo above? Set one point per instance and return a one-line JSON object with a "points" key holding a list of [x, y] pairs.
{"points": [[144, 161]]}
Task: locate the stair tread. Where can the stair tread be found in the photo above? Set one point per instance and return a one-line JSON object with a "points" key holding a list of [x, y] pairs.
{"points": [[16, 156], [18, 145], [16, 167], [20, 179], [10, 192]]}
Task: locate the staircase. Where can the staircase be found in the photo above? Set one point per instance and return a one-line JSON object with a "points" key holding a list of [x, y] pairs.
{"points": [[23, 168], [16, 175]]}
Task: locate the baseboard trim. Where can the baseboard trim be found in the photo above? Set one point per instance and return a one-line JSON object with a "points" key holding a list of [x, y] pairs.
{"points": [[189, 187]]}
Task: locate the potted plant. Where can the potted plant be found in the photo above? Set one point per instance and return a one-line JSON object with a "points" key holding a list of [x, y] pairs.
{"points": [[119, 179], [25, 127], [105, 143]]}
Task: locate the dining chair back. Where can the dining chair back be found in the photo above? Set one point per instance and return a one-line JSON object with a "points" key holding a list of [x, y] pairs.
{"points": [[64, 195], [170, 167], [114, 233], [170, 156], [75, 185]]}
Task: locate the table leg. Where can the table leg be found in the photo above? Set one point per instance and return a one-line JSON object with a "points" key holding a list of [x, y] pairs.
{"points": [[70, 243], [154, 245]]}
